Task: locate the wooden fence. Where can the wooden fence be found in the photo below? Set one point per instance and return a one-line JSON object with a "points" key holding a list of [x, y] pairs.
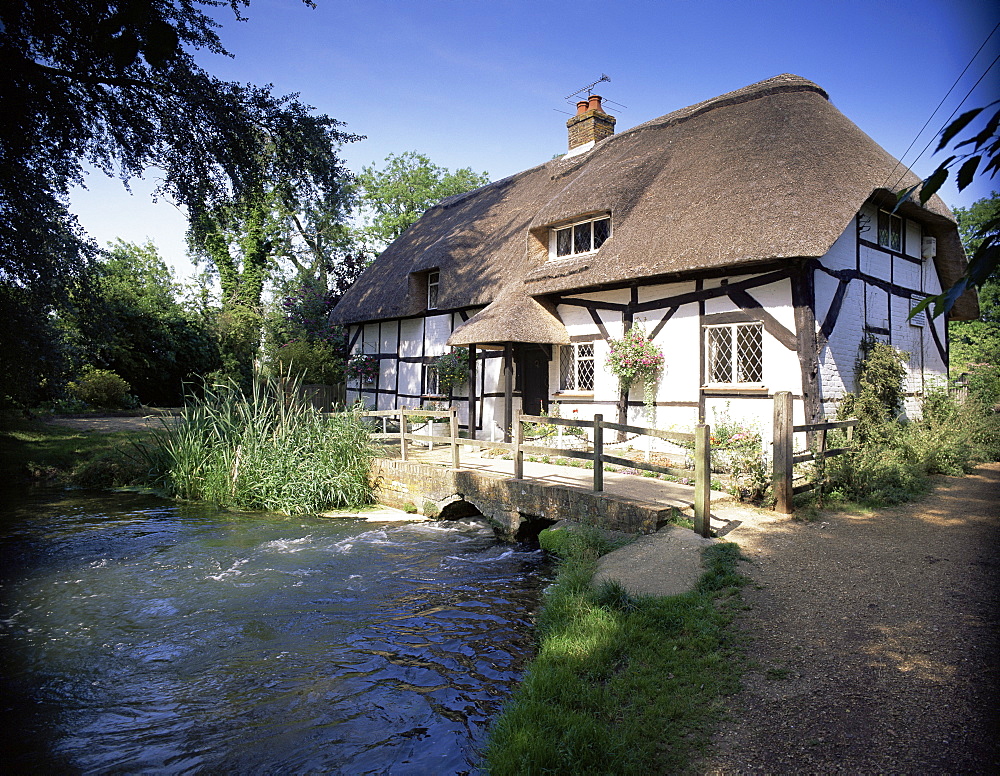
{"points": [[518, 447], [785, 457]]}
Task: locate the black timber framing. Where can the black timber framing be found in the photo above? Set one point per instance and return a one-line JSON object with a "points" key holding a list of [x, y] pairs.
{"points": [[807, 343]]}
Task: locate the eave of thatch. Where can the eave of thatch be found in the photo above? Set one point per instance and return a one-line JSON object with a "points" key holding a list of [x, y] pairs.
{"points": [[770, 172], [512, 318]]}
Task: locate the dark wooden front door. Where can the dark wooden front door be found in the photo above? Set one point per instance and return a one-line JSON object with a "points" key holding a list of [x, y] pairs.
{"points": [[534, 372]]}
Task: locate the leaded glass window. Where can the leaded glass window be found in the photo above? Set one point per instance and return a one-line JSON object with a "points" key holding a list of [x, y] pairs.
{"points": [[890, 231], [584, 237], [576, 367], [735, 353]]}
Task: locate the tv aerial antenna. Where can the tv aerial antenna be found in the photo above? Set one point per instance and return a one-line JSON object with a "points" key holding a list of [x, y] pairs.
{"points": [[589, 89]]}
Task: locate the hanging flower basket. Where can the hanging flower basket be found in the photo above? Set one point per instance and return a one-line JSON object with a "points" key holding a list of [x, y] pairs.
{"points": [[635, 359], [452, 369], [362, 367]]}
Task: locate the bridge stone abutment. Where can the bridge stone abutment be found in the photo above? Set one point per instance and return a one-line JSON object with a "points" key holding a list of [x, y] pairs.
{"points": [[510, 505]]}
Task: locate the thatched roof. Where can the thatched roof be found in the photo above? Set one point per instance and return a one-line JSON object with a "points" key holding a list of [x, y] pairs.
{"points": [[770, 172], [513, 317]]}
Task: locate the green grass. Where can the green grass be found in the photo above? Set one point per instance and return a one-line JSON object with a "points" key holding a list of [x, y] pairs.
{"points": [[621, 684], [34, 450]]}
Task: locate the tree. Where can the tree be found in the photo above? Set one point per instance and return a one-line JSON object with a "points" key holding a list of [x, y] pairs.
{"points": [[113, 83], [978, 342], [980, 147], [129, 320], [397, 195]]}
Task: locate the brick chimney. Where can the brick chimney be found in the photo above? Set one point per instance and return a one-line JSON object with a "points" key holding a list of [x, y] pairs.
{"points": [[589, 125]]}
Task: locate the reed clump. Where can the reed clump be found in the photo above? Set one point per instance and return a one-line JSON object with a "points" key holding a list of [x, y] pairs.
{"points": [[266, 449]]}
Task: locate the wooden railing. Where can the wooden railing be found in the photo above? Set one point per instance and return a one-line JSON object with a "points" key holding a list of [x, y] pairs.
{"points": [[785, 457], [701, 439]]}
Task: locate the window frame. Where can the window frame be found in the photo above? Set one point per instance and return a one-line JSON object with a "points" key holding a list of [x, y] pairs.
{"points": [[893, 219], [573, 362], [431, 380], [735, 355], [433, 288], [571, 227]]}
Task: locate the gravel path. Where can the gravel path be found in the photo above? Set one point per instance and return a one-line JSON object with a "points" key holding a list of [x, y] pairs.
{"points": [[873, 641]]}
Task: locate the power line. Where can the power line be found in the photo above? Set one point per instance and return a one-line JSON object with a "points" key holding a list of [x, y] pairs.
{"points": [[948, 120], [934, 112]]}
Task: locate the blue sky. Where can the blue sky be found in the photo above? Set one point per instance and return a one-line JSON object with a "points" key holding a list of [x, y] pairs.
{"points": [[481, 83]]}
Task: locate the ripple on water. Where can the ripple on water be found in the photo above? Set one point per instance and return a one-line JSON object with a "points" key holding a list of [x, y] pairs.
{"points": [[140, 635]]}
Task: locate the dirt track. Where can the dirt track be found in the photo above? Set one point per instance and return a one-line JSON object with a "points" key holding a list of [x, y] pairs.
{"points": [[874, 641]]}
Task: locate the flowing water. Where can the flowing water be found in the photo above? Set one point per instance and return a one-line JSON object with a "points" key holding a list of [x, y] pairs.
{"points": [[142, 636]]}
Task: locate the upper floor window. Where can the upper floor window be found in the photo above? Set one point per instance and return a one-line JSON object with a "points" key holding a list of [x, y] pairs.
{"points": [[735, 353], [890, 231], [433, 282], [576, 367], [581, 237]]}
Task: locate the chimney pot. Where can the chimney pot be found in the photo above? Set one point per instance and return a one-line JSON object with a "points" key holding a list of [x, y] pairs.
{"points": [[589, 126]]}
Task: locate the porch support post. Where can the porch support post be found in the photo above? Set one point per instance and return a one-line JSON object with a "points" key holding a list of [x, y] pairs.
{"points": [[508, 390], [472, 391]]}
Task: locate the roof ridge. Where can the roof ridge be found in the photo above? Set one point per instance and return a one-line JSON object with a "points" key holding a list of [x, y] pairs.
{"points": [[786, 82]]}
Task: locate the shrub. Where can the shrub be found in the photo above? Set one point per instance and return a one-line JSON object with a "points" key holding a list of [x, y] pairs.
{"points": [[313, 361], [101, 388], [893, 458]]}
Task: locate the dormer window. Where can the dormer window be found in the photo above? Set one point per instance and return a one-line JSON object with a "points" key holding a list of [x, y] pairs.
{"points": [[581, 237], [433, 280]]}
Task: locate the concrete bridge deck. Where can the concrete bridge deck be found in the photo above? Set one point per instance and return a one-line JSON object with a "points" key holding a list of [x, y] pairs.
{"points": [[548, 492]]}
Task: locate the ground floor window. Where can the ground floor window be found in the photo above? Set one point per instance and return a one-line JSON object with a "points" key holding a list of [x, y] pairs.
{"points": [[735, 353], [432, 384], [576, 367]]}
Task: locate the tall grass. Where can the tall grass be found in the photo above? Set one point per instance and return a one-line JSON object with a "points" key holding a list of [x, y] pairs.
{"points": [[264, 450], [621, 684]]}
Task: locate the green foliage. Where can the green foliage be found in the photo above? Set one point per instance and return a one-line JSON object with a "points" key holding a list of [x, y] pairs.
{"points": [[36, 353], [977, 342], [101, 388], [394, 197], [892, 460], [879, 395], [115, 85], [983, 146], [266, 450], [129, 319], [312, 361], [621, 684], [452, 368]]}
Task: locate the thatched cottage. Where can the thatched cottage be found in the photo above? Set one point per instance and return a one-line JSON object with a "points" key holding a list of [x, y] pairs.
{"points": [[751, 235]]}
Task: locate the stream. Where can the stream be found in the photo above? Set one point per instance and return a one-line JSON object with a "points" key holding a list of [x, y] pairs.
{"points": [[143, 635]]}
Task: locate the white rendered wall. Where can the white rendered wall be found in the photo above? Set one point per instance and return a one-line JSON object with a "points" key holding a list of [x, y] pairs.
{"points": [[867, 305]]}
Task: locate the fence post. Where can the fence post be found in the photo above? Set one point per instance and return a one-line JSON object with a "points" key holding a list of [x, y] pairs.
{"points": [[598, 453], [518, 452], [402, 433], [781, 479], [702, 479], [455, 463]]}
